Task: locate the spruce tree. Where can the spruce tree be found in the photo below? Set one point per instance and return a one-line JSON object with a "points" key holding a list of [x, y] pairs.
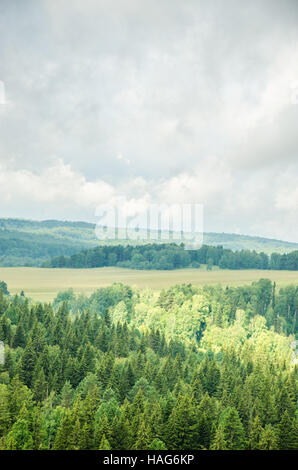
{"points": [[268, 438], [233, 431]]}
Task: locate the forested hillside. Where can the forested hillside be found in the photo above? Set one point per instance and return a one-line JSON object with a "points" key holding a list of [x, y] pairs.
{"points": [[189, 368], [30, 243], [173, 256]]}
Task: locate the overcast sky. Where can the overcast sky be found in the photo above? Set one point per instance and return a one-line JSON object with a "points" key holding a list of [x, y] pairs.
{"points": [[155, 101]]}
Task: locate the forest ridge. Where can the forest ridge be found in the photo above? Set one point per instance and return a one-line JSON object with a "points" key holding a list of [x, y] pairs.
{"points": [[30, 243]]}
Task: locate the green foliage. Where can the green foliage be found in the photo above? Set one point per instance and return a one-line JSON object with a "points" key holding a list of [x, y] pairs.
{"points": [[190, 368], [231, 429], [173, 256], [3, 287]]}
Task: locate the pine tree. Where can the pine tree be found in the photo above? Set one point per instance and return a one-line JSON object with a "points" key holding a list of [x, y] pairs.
{"points": [[66, 395], [143, 437], [255, 433], [287, 432], [104, 444], [28, 362], [219, 442], [38, 434], [19, 396], [233, 431], [204, 431], [182, 427], [268, 439], [63, 440], [19, 339], [102, 429], [40, 387], [120, 435], [19, 438]]}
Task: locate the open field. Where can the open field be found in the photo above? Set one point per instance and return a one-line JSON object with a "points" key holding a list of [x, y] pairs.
{"points": [[43, 284]]}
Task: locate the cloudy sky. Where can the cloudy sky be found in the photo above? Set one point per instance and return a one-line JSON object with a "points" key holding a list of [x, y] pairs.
{"points": [[155, 101]]}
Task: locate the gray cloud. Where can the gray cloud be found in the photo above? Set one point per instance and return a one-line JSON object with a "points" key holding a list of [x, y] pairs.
{"points": [[194, 96]]}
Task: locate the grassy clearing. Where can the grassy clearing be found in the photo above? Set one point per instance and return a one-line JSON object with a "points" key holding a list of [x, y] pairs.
{"points": [[43, 284]]}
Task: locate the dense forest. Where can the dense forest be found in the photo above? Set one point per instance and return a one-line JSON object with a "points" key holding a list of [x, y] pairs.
{"points": [[173, 256], [30, 243], [186, 368]]}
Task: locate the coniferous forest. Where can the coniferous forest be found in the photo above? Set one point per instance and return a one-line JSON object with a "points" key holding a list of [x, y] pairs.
{"points": [[188, 368]]}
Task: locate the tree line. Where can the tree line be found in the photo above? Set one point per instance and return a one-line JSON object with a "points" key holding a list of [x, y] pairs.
{"points": [[173, 256]]}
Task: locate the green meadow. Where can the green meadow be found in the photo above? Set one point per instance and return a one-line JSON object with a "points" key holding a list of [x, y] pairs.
{"points": [[43, 284]]}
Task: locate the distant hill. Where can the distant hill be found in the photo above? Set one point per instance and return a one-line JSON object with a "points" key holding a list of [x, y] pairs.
{"points": [[30, 243], [246, 242]]}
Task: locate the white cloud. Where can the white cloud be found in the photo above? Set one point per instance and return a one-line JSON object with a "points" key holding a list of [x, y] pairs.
{"points": [[58, 184], [268, 208], [154, 101]]}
